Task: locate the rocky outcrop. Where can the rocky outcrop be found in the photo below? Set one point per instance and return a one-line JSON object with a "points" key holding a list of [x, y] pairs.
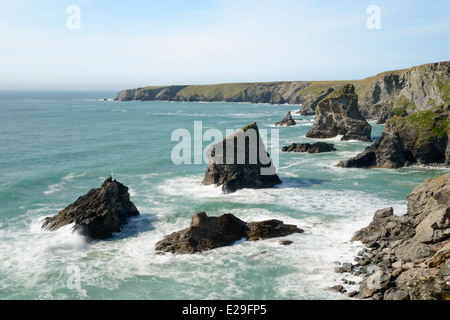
{"points": [[286, 122], [206, 233], [98, 213], [241, 161], [338, 114], [381, 96], [420, 138], [408, 256], [317, 147]]}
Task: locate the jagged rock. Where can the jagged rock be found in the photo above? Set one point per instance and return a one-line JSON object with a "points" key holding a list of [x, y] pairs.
{"points": [[206, 233], [338, 114], [410, 252], [317, 147], [420, 138], [241, 161], [269, 229], [286, 122], [98, 213]]}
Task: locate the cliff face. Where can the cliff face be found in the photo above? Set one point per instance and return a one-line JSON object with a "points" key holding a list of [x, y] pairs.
{"points": [[398, 92], [405, 91], [410, 253], [420, 138]]}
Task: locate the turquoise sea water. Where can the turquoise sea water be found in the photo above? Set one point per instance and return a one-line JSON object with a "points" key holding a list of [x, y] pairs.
{"points": [[56, 146]]}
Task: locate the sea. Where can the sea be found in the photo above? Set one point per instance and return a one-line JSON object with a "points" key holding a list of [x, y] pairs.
{"points": [[55, 146]]}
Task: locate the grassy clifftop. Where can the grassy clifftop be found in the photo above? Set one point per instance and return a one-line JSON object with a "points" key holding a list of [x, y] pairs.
{"points": [[398, 92]]}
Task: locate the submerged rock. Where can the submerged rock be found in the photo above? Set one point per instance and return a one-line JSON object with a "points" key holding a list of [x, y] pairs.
{"points": [[286, 122], [317, 147], [420, 138], [338, 114], [206, 233], [98, 213], [241, 161]]}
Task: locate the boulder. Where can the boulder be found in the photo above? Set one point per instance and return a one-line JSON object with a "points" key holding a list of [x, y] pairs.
{"points": [[206, 233], [241, 161], [338, 114], [317, 147], [98, 213], [269, 229], [286, 122]]}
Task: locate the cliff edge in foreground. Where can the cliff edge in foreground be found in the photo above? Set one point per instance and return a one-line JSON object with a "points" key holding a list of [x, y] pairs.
{"points": [[410, 254]]}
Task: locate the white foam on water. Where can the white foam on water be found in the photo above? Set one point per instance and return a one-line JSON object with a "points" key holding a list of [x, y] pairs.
{"points": [[189, 186], [34, 259], [58, 187]]}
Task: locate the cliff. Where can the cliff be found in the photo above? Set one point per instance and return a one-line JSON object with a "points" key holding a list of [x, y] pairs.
{"points": [[419, 138], [398, 92], [407, 256]]}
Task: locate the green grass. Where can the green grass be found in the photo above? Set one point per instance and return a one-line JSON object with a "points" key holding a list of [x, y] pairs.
{"points": [[217, 91], [444, 87], [430, 125], [399, 112]]}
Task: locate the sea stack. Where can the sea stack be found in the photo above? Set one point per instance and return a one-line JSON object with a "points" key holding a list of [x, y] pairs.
{"points": [[98, 213], [338, 114], [286, 122], [241, 161]]}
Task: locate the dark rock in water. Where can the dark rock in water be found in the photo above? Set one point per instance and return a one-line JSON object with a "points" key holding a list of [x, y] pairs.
{"points": [[269, 229], [207, 233], [204, 233], [241, 161], [420, 138], [409, 254], [317, 147], [98, 213], [339, 288], [286, 122], [338, 114]]}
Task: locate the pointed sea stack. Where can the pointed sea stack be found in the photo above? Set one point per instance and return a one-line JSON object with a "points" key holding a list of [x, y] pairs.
{"points": [[286, 122], [241, 161], [98, 213], [338, 114]]}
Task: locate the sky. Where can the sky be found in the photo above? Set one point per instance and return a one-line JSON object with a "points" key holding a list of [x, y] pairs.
{"points": [[115, 45]]}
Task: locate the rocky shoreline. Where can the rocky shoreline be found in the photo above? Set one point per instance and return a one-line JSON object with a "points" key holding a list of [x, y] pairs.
{"points": [[406, 257]]}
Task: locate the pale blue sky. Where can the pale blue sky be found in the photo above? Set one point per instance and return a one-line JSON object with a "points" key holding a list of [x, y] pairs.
{"points": [[127, 44]]}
